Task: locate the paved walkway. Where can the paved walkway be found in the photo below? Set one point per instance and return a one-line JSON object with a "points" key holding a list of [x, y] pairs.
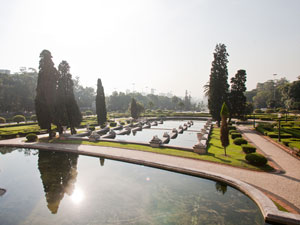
{"points": [[285, 185]]}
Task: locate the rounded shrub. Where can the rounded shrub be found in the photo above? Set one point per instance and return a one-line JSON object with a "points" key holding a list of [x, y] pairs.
{"points": [[2, 120], [233, 131], [256, 159], [31, 137], [236, 135], [33, 118], [270, 111], [258, 111], [89, 113], [240, 141], [122, 123], [19, 118], [231, 128], [113, 124], [248, 148], [91, 128]]}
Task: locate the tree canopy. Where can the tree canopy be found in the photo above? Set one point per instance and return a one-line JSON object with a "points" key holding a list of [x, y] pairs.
{"points": [[100, 104], [217, 89], [46, 91]]}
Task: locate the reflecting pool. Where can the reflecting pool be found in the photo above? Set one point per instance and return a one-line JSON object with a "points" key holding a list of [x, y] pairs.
{"points": [[187, 139], [61, 188]]}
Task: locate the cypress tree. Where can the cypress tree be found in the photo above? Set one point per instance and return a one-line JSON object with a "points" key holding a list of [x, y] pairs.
{"points": [[237, 99], [133, 109], [224, 135], [46, 91], [100, 104], [67, 110], [217, 89]]}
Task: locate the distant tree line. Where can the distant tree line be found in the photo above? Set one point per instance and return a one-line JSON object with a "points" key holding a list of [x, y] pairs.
{"points": [[276, 94]]}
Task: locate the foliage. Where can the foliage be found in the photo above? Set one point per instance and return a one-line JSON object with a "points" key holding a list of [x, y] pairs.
{"points": [[85, 96], [247, 148], [46, 91], [236, 135], [258, 111], [270, 111], [236, 98], [275, 135], [113, 124], [224, 137], [256, 159], [218, 87], [17, 91], [240, 141], [31, 137], [294, 132], [89, 113], [67, 112], [232, 127], [19, 118], [2, 120], [33, 118], [100, 104]]}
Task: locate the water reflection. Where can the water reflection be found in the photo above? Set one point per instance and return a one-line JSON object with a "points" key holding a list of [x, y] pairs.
{"points": [[58, 173], [221, 187], [101, 161]]}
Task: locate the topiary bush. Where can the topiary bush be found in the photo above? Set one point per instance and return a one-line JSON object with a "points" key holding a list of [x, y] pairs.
{"points": [[231, 128], [2, 120], [89, 113], [33, 118], [91, 128], [256, 159], [113, 124], [19, 118], [240, 141], [270, 111], [233, 131], [248, 148], [31, 137], [258, 111], [236, 135]]}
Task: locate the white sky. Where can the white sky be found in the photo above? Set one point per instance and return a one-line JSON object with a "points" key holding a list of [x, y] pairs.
{"points": [[167, 45]]}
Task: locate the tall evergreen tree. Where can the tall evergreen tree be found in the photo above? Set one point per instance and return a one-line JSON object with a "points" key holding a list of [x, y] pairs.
{"points": [[224, 133], [46, 91], [218, 86], [100, 104], [133, 109], [67, 110], [237, 99]]}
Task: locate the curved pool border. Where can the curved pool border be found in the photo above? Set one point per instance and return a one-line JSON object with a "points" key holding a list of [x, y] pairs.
{"points": [[268, 209]]}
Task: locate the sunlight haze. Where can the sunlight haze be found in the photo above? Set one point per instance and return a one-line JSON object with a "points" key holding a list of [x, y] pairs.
{"points": [[166, 45]]}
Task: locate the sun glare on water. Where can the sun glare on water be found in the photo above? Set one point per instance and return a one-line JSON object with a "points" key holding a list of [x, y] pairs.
{"points": [[77, 196]]}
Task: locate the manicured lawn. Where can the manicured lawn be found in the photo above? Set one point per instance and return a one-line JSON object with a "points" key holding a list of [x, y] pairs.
{"points": [[235, 155]]}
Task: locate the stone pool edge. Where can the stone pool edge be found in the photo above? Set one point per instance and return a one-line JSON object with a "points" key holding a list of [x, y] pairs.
{"points": [[267, 207]]}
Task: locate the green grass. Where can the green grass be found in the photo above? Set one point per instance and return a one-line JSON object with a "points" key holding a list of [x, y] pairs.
{"points": [[235, 155], [279, 207]]}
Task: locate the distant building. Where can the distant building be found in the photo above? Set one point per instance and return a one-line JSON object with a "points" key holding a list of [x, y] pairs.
{"points": [[4, 71]]}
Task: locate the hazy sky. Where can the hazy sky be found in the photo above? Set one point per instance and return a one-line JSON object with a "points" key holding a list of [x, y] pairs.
{"points": [[167, 45]]}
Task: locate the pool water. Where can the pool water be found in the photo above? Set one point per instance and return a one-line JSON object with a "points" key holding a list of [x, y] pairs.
{"points": [[187, 139], [46, 187]]}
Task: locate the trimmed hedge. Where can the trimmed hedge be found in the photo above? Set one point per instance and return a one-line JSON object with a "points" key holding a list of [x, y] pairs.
{"points": [[256, 159], [113, 124], [233, 131], [33, 118], [31, 137], [240, 141], [231, 128], [2, 120], [236, 135], [19, 118], [275, 135], [248, 148]]}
